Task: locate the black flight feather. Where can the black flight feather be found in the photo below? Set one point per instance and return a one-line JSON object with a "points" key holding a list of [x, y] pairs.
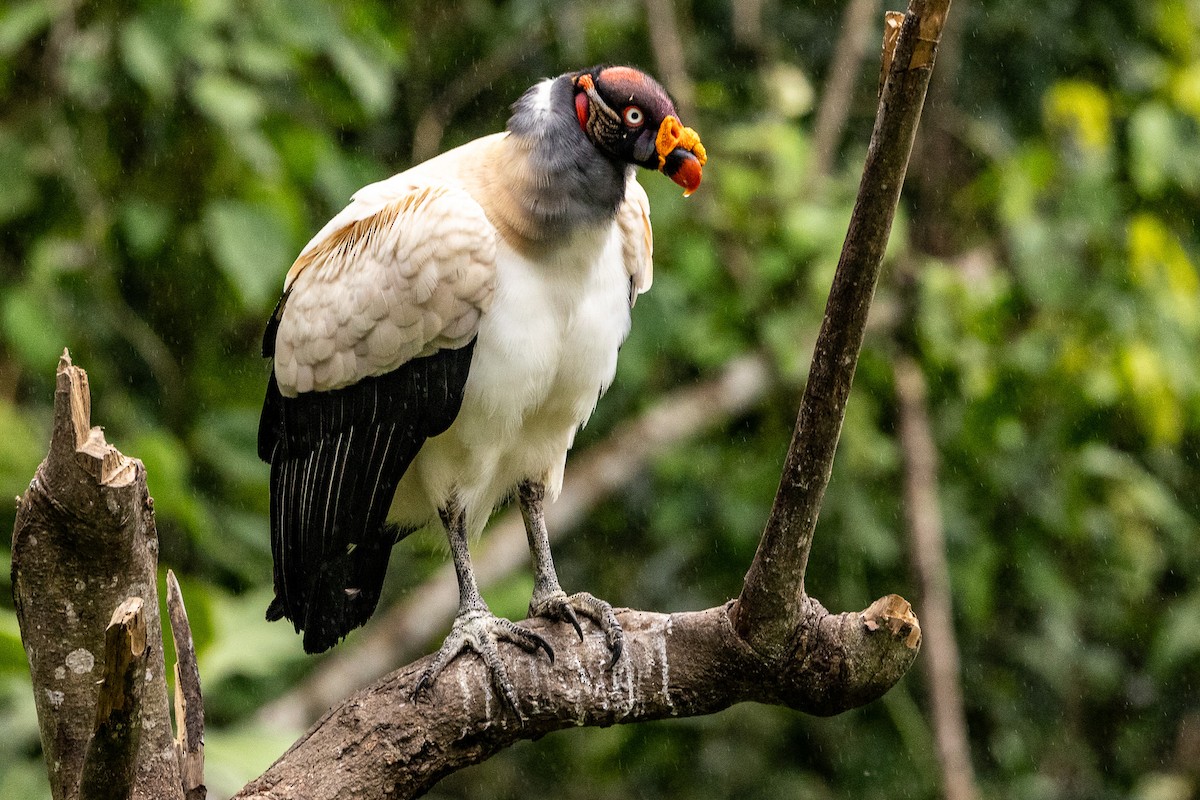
{"points": [[336, 458]]}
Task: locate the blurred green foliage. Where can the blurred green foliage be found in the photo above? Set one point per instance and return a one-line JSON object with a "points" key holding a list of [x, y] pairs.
{"points": [[161, 164]]}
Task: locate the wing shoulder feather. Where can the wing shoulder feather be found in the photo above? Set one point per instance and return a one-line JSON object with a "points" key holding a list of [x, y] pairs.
{"points": [[637, 239], [404, 271]]}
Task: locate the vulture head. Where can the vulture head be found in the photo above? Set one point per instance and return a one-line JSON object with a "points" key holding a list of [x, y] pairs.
{"points": [[628, 115]]}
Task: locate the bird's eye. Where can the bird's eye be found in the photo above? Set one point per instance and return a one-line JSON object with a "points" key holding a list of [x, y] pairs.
{"points": [[634, 116]]}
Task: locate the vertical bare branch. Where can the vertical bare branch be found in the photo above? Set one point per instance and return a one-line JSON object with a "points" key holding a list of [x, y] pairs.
{"points": [[772, 600], [83, 542], [111, 757], [748, 24], [189, 704], [929, 559]]}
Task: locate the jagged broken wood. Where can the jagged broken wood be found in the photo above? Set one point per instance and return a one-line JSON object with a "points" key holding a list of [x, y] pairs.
{"points": [[189, 704], [84, 567], [111, 755], [83, 542]]}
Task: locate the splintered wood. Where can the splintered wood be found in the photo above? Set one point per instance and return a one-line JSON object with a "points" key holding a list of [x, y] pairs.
{"points": [[84, 544]]}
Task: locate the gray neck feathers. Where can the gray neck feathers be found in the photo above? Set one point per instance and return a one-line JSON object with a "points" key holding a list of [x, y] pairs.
{"points": [[557, 182]]}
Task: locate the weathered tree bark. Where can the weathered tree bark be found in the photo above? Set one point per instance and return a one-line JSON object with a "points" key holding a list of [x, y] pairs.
{"points": [[83, 542], [108, 764], [379, 743]]}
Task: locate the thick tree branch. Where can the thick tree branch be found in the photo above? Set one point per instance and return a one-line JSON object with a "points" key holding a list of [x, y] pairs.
{"points": [[772, 602], [83, 542], [383, 744]]}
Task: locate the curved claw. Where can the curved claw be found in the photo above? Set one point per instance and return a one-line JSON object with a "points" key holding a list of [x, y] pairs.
{"points": [[529, 641], [422, 685], [558, 606], [617, 648], [574, 620], [613, 633]]}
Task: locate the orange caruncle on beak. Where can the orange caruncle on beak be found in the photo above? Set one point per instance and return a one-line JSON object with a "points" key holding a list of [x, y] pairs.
{"points": [[681, 156]]}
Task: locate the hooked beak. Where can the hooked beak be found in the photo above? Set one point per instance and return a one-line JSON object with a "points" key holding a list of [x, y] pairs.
{"points": [[681, 156], [683, 168]]}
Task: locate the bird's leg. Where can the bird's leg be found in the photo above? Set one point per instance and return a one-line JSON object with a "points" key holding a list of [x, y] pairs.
{"points": [[549, 600], [475, 626]]}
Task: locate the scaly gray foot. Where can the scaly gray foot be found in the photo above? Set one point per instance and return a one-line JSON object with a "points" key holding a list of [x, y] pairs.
{"points": [[480, 630], [558, 606]]}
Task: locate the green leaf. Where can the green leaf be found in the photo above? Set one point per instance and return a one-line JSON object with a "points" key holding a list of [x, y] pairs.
{"points": [[168, 471], [20, 192], [227, 101], [144, 225], [1177, 641], [233, 756], [251, 245], [339, 175], [305, 24], [1152, 143], [369, 78], [147, 59], [240, 619], [263, 59], [26, 779], [228, 437], [21, 448], [12, 654]]}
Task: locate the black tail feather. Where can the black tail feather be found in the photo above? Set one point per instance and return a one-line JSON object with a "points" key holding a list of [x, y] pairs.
{"points": [[336, 459]]}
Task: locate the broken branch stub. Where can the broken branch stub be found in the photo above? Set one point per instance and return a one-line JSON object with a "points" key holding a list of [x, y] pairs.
{"points": [[110, 759], [83, 542], [189, 704]]}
